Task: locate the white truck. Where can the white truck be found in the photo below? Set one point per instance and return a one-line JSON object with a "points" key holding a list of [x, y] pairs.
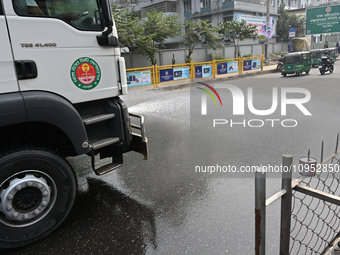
{"points": [[61, 74]]}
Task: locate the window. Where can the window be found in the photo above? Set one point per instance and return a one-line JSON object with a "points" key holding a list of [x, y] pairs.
{"points": [[84, 16], [292, 60], [230, 18], [205, 3], [306, 56], [187, 6], [160, 7]]}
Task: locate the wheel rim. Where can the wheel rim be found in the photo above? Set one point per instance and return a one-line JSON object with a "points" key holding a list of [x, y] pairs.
{"points": [[26, 197]]}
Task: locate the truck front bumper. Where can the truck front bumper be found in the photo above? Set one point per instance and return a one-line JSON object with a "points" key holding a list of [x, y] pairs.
{"points": [[139, 142]]}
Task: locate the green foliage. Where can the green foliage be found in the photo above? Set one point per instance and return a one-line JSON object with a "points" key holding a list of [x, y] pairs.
{"points": [[146, 36], [217, 56], [237, 31], [247, 55], [202, 31], [286, 21]]}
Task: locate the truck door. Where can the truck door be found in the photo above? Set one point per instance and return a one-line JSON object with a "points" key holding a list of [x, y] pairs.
{"points": [[56, 49], [8, 81]]}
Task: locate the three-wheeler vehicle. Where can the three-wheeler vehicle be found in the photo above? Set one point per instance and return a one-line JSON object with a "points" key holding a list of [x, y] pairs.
{"points": [[296, 63], [316, 57]]}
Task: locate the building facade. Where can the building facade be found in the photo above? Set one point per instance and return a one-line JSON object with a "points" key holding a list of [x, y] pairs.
{"points": [[212, 10]]}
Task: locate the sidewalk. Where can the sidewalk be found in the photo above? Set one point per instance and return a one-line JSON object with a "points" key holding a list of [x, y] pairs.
{"points": [[219, 78]]}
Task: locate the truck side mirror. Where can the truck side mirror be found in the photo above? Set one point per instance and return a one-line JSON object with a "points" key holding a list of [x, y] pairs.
{"points": [[105, 39]]}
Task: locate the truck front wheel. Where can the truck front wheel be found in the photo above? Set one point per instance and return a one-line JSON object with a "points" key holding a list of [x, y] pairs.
{"points": [[37, 191]]}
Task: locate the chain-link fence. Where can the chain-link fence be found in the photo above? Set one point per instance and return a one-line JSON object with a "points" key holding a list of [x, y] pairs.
{"points": [[310, 211], [315, 223]]}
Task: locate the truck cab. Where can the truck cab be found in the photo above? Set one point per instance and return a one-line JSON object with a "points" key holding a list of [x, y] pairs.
{"points": [[61, 75]]}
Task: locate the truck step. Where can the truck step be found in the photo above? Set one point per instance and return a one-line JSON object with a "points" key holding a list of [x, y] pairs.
{"points": [[107, 168], [98, 118], [103, 143]]}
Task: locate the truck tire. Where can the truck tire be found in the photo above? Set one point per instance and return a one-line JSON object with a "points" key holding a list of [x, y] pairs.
{"points": [[37, 191]]}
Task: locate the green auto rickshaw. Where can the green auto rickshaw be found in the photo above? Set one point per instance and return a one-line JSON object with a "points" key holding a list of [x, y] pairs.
{"points": [[296, 63], [316, 56]]}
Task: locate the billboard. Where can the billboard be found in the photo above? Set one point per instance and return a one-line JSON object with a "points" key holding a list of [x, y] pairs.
{"points": [[181, 73], [138, 79], [232, 67], [251, 64], [260, 22], [202, 71], [166, 75], [324, 19]]}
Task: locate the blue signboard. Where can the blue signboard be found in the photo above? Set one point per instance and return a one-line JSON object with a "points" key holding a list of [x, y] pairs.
{"points": [[198, 72], [166, 75], [222, 68], [247, 65]]}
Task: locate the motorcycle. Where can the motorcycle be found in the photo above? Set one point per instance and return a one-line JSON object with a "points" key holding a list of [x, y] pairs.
{"points": [[279, 66], [326, 68]]}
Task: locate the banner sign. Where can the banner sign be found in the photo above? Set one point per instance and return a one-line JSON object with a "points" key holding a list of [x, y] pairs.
{"points": [[260, 22], [256, 64], [166, 75], [324, 19], [251, 64], [246, 65], [206, 71], [181, 73], [232, 67], [222, 68], [138, 79], [198, 72]]}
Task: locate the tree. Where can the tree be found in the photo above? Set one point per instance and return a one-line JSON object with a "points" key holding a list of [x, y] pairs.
{"points": [[146, 36], [237, 31], [298, 22], [286, 21], [198, 32], [282, 26]]}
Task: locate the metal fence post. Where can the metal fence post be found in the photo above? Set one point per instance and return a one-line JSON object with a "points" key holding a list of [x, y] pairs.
{"points": [[192, 73], [214, 68], [286, 204], [156, 74], [239, 65], [260, 212]]}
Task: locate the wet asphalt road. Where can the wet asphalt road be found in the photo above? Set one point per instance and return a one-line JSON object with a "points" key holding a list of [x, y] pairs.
{"points": [[161, 206]]}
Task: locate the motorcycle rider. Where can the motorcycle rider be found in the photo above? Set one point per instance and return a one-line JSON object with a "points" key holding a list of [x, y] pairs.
{"points": [[326, 59], [279, 64]]}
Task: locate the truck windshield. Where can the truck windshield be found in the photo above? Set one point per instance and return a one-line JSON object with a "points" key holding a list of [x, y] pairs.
{"points": [[83, 15]]}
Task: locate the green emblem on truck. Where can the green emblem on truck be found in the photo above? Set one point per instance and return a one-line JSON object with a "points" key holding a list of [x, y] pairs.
{"points": [[85, 73]]}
